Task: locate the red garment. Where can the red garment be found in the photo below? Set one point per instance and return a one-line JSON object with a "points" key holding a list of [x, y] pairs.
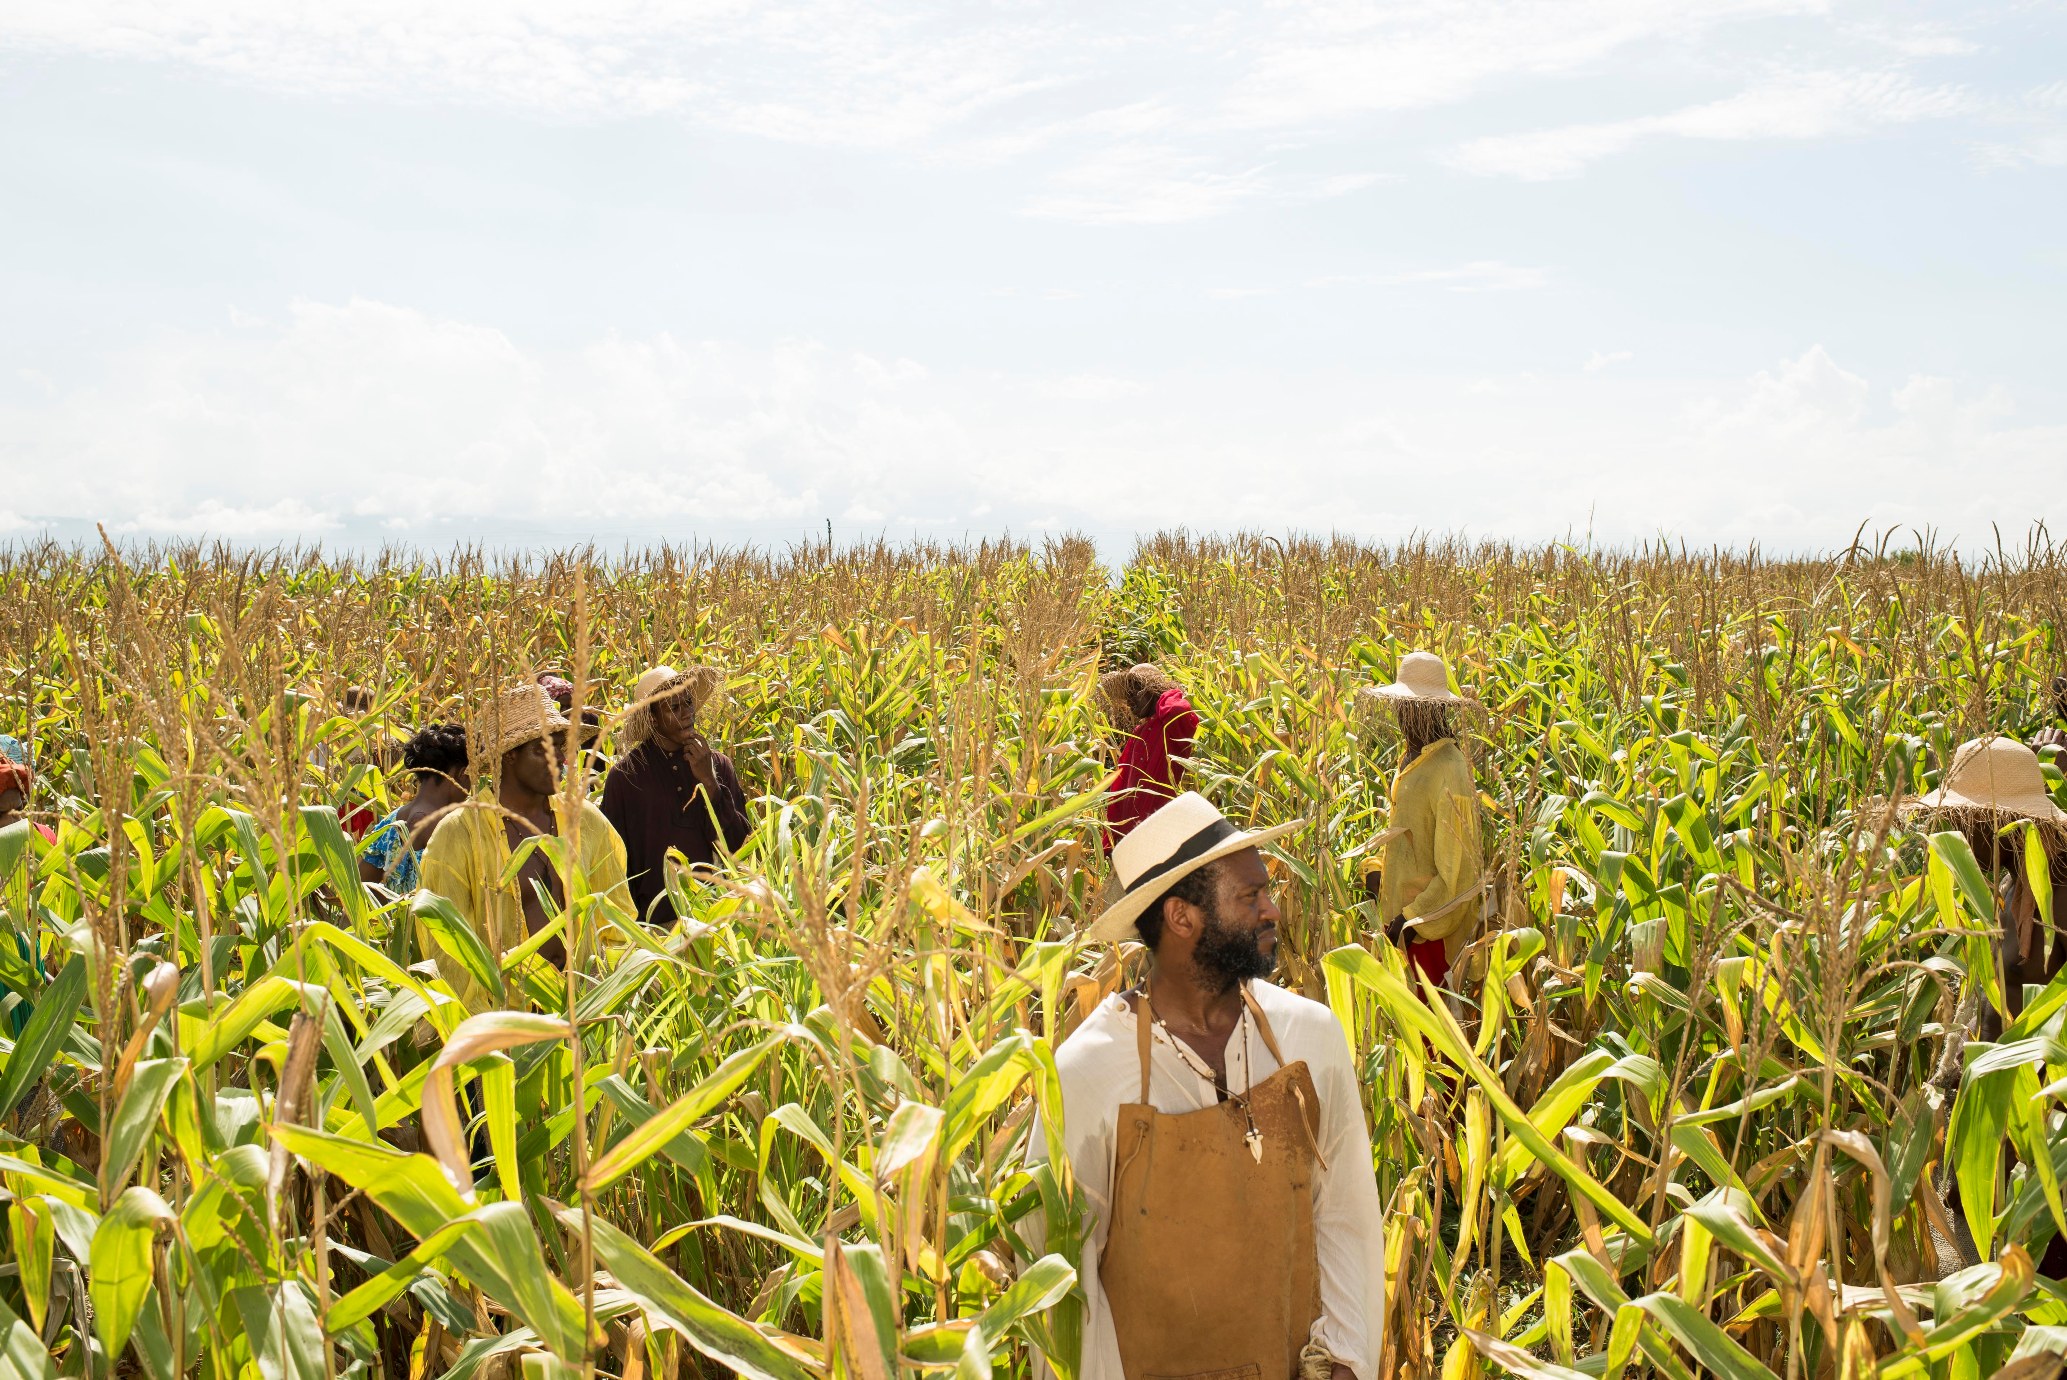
{"points": [[1430, 956], [359, 819], [1151, 765]]}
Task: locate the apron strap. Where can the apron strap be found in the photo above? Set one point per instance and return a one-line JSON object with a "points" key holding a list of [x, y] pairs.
{"points": [[1262, 1028], [1143, 1019]]}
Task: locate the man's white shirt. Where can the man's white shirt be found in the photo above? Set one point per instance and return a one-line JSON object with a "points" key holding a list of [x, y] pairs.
{"points": [[1100, 1065]]}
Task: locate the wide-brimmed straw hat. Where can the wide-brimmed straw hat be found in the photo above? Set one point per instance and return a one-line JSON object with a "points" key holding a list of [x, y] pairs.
{"points": [[701, 683], [1171, 844], [510, 720], [1422, 677], [1993, 778]]}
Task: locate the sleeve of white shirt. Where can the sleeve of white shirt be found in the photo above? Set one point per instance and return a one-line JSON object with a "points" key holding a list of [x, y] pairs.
{"points": [[1348, 1220]]}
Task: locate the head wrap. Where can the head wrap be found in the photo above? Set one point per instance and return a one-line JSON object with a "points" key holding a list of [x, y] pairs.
{"points": [[15, 772]]}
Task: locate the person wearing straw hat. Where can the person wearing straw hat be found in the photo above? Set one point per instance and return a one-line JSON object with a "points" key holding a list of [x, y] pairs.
{"points": [[669, 788], [513, 738], [1215, 1124], [1160, 726], [1993, 787], [1430, 859]]}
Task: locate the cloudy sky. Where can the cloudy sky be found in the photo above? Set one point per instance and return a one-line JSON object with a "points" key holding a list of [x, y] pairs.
{"points": [[531, 270]]}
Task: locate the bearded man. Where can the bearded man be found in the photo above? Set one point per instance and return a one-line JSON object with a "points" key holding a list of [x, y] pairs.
{"points": [[1215, 1123]]}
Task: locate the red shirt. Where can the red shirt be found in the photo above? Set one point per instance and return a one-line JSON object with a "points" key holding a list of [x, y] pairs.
{"points": [[1151, 765]]}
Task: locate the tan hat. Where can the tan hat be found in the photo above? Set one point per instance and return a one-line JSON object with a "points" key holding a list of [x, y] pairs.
{"points": [[1996, 777], [701, 683], [512, 719], [1422, 676], [1171, 844]]}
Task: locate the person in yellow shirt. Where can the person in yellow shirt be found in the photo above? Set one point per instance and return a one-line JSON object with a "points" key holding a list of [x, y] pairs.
{"points": [[515, 736], [1431, 857]]}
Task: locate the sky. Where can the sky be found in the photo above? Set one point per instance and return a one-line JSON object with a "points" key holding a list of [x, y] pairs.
{"points": [[372, 271]]}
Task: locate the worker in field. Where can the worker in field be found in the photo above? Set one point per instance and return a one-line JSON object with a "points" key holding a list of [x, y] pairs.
{"points": [[561, 689], [436, 760], [512, 739], [1992, 789], [1159, 726], [669, 788], [1215, 1124], [18, 786], [1429, 862]]}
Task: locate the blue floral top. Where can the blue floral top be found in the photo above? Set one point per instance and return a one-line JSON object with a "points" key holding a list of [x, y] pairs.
{"points": [[387, 848]]}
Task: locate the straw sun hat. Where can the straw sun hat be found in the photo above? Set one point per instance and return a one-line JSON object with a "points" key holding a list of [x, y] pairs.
{"points": [[701, 683], [1424, 678], [1992, 779], [512, 719], [1171, 844]]}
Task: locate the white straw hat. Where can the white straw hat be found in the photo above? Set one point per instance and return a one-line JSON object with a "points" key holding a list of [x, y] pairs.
{"points": [[1171, 844], [1422, 676], [1997, 777]]}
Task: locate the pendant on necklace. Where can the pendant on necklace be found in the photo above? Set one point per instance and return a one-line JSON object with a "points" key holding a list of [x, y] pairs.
{"points": [[1254, 1140]]}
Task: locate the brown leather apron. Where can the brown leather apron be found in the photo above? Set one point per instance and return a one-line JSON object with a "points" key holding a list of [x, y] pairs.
{"points": [[1209, 1267]]}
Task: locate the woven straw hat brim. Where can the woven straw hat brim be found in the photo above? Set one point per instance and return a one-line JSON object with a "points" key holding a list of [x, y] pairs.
{"points": [[1117, 921], [705, 686], [1396, 693], [512, 731], [1950, 803]]}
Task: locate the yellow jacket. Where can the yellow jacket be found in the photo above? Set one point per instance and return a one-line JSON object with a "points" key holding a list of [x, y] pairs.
{"points": [[464, 863], [1437, 855]]}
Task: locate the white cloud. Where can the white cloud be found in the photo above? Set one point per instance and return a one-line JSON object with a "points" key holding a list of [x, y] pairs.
{"points": [[828, 71], [1145, 184], [369, 421], [1327, 61], [1810, 105], [1598, 361], [1143, 114], [1481, 275]]}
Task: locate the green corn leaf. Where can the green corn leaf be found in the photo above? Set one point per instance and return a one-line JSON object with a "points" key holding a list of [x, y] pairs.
{"points": [[717, 1333], [1727, 1214], [646, 1140], [1962, 871], [208, 1039], [502, 1256], [1440, 1029], [57, 1007], [1516, 1361], [136, 1117], [328, 837], [121, 1264], [23, 1356], [1718, 1353], [1957, 1331], [455, 934], [1973, 1140]]}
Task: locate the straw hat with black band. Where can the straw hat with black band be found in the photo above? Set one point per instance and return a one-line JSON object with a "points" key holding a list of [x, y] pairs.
{"points": [[1171, 844]]}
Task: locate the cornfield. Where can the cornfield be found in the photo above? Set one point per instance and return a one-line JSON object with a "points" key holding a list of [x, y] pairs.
{"points": [[1708, 1096]]}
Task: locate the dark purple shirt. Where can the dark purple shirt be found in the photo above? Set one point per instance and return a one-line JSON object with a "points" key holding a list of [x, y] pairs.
{"points": [[656, 803]]}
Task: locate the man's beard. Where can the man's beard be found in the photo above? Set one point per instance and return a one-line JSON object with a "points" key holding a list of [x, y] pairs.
{"points": [[1225, 956]]}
